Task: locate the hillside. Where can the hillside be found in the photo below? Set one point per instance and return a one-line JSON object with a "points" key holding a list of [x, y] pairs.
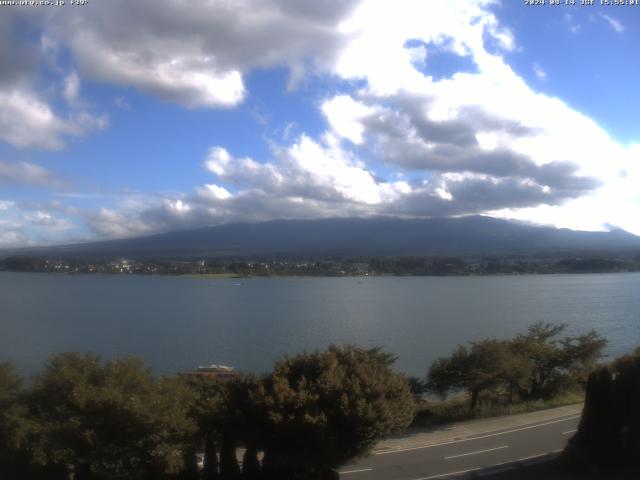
{"points": [[356, 236]]}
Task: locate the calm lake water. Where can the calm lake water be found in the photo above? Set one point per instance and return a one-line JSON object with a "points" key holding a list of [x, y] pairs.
{"points": [[175, 323]]}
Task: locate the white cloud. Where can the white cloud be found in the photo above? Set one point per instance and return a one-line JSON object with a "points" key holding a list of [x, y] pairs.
{"points": [[481, 142], [307, 170], [179, 206], [380, 31], [214, 192], [72, 88], [27, 121], [306, 179], [24, 173], [196, 54], [473, 142], [521, 129], [109, 223], [613, 23], [28, 118], [22, 115], [24, 224], [186, 80], [345, 115], [539, 71], [6, 204], [12, 239]]}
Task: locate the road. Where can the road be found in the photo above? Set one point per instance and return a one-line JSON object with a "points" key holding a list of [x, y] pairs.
{"points": [[455, 457]]}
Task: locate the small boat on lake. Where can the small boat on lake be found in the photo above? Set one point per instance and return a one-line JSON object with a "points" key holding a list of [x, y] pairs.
{"points": [[212, 371]]}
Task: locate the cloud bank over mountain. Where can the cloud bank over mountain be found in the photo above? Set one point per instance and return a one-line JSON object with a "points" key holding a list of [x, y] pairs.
{"points": [[397, 136]]}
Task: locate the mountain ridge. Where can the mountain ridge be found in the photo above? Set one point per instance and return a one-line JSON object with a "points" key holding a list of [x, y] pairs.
{"points": [[382, 236]]}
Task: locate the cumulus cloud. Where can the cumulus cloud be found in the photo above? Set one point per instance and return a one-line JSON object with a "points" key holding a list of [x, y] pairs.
{"points": [[537, 154], [12, 238], [469, 142], [109, 223], [345, 116], [27, 117], [305, 170], [472, 141], [306, 179], [24, 224], [196, 54], [26, 120]]}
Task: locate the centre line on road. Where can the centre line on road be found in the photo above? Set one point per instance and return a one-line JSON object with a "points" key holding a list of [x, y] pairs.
{"points": [[451, 442], [476, 453], [356, 471], [569, 432]]}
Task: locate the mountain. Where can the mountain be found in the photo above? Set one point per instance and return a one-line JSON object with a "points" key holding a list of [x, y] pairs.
{"points": [[356, 236]]}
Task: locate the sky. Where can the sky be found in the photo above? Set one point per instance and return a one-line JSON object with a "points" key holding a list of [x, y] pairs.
{"points": [[122, 119]]}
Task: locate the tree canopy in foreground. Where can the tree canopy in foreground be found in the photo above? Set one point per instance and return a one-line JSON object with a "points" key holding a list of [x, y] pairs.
{"points": [[533, 365], [85, 418], [325, 408]]}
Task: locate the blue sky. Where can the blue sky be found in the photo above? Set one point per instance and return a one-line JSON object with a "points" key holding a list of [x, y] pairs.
{"points": [[121, 120]]}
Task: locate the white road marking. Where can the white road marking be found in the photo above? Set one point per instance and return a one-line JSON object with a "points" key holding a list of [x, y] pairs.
{"points": [[524, 459], [477, 438], [476, 453], [569, 432], [460, 472], [442, 475], [356, 471]]}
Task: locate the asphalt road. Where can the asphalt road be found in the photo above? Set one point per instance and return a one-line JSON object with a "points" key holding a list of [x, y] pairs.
{"points": [[470, 454]]}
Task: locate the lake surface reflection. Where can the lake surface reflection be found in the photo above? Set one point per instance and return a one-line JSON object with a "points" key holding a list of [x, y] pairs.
{"points": [[175, 323]]}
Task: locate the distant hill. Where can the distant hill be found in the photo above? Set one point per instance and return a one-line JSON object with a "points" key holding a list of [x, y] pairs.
{"points": [[357, 236]]}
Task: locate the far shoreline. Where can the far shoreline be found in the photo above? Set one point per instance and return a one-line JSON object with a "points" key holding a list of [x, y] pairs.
{"points": [[231, 276]]}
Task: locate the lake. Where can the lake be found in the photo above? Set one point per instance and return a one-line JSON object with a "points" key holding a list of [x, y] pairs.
{"points": [[176, 323]]}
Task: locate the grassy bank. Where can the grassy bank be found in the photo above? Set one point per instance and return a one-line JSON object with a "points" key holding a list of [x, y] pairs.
{"points": [[431, 413]]}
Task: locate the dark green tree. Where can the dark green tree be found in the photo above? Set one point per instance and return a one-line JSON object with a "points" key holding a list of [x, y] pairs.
{"points": [[530, 366], [481, 367], [15, 426], [325, 408], [556, 361], [230, 414], [108, 420], [608, 437], [244, 424], [417, 386], [207, 411]]}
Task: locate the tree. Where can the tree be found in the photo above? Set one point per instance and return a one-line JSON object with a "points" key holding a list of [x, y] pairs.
{"points": [[206, 410], [244, 424], [14, 425], [228, 414], [417, 386], [556, 361], [325, 408], [531, 365], [110, 420], [483, 366], [608, 435]]}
